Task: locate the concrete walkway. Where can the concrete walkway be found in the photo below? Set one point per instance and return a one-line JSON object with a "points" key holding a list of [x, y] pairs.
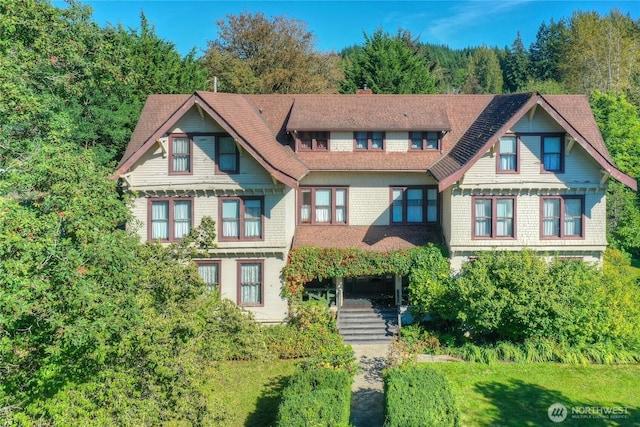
{"points": [[367, 398]]}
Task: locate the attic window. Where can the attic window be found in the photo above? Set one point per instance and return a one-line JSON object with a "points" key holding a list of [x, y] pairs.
{"points": [[369, 140], [424, 140], [313, 141], [180, 147]]}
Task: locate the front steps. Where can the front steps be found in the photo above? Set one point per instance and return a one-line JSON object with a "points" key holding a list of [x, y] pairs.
{"points": [[368, 325]]}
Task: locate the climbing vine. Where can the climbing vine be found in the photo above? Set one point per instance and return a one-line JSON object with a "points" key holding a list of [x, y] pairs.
{"points": [[308, 263]]}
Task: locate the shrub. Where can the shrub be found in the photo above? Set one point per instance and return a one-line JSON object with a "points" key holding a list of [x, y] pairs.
{"points": [[316, 396], [292, 342], [429, 276], [306, 313], [417, 395]]}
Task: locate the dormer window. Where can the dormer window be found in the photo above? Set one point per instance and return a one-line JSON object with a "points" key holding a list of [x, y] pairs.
{"points": [[368, 140], [424, 140], [313, 141]]}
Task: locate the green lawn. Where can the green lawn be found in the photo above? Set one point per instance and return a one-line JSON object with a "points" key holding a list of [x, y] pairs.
{"points": [[246, 393], [513, 394], [634, 268]]}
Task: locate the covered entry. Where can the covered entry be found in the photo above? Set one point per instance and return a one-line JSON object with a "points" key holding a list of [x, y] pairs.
{"points": [[369, 290]]}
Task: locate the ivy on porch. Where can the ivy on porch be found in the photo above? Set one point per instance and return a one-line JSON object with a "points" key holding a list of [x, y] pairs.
{"points": [[308, 263]]}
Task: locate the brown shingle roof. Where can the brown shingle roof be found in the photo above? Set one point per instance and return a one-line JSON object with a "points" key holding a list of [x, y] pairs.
{"points": [[260, 123], [370, 238], [155, 113], [497, 114], [368, 112]]}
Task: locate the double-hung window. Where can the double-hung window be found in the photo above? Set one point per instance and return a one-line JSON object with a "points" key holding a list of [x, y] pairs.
{"points": [[414, 205], [227, 155], [368, 140], [250, 283], [323, 205], [209, 271], [424, 140], [180, 147], [169, 219], [241, 218], [508, 154], [313, 141], [494, 217], [553, 153], [562, 217]]}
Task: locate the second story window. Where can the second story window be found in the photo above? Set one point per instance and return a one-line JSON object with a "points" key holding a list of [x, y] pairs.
{"points": [[313, 141], [552, 153], [241, 218], [368, 140], [562, 217], [227, 155], [323, 205], [508, 154], [494, 217], [414, 205], [180, 154], [424, 140], [169, 219]]}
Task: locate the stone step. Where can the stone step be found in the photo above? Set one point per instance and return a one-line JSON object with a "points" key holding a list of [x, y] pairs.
{"points": [[370, 325]]}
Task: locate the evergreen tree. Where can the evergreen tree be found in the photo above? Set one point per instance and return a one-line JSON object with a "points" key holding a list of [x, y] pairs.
{"points": [[388, 64], [484, 74], [547, 51], [517, 66]]}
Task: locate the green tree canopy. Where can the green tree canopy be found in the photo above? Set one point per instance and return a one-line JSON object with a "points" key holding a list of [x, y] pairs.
{"points": [[62, 71], [517, 66], [483, 72], [388, 64], [254, 54], [602, 53]]}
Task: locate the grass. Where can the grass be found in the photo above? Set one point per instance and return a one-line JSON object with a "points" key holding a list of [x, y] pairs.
{"points": [[519, 394], [634, 268], [246, 393]]}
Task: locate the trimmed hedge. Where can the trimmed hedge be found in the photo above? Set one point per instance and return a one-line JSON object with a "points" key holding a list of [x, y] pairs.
{"points": [[418, 396], [316, 397]]}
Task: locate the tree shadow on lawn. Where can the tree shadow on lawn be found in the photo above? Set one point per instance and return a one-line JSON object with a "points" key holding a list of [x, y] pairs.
{"points": [[523, 404], [267, 405]]}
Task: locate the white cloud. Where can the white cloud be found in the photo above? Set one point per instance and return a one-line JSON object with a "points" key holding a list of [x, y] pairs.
{"points": [[462, 17]]}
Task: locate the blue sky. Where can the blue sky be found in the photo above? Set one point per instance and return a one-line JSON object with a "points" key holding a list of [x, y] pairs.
{"points": [[338, 24]]}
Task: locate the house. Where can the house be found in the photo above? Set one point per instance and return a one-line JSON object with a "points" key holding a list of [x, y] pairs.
{"points": [[377, 172]]}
